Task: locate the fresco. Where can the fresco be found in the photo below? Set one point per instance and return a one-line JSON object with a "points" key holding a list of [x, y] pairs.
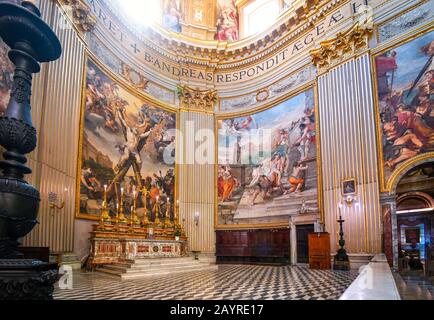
{"points": [[227, 21], [172, 15], [6, 77], [267, 164], [405, 80], [126, 143]]}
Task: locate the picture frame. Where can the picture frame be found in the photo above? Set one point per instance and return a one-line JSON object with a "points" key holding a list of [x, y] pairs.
{"points": [[349, 187]]}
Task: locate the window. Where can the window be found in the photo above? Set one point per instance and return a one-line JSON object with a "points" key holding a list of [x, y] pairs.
{"points": [[258, 15]]}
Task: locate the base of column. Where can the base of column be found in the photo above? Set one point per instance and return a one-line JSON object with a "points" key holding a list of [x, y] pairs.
{"points": [[205, 257], [27, 279]]}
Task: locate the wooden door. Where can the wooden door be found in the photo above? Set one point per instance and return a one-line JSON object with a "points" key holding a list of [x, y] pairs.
{"points": [[302, 232]]}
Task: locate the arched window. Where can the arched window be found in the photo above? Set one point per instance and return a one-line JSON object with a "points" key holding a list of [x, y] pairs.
{"points": [[258, 15]]}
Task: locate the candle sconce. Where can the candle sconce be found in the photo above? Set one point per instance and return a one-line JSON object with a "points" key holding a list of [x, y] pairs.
{"points": [[350, 200], [196, 218], [54, 202]]}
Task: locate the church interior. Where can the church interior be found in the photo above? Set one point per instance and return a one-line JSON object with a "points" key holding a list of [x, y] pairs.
{"points": [[216, 150]]}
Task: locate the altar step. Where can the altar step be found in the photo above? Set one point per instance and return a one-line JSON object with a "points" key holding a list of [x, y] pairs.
{"points": [[146, 267]]}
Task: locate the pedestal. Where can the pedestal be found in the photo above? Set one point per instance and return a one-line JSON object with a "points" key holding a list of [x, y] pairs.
{"points": [[341, 261], [23, 279]]}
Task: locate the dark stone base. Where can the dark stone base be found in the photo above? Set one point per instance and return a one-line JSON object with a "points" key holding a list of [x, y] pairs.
{"points": [[341, 261], [23, 279]]}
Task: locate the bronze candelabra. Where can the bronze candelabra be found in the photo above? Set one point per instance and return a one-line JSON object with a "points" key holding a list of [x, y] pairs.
{"points": [[32, 42]]}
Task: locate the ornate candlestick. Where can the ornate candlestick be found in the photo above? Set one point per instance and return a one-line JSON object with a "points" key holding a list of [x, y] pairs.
{"points": [[134, 219], [167, 221], [176, 215], [122, 209], [341, 261], [117, 214], [105, 216], [157, 211], [31, 41], [145, 220]]}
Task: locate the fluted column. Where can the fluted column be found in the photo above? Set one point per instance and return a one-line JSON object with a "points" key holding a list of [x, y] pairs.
{"points": [[196, 170], [348, 139]]}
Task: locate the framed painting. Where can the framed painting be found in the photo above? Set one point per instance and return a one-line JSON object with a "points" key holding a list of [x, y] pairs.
{"points": [[267, 164], [127, 146], [349, 187], [404, 85]]}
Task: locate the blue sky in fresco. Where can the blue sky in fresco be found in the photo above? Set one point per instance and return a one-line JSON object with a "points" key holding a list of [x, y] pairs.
{"points": [[410, 61]]}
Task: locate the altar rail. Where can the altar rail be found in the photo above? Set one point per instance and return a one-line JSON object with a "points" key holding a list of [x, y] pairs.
{"points": [[375, 282]]}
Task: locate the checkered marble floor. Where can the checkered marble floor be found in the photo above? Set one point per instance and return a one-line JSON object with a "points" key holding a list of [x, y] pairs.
{"points": [[229, 282]]}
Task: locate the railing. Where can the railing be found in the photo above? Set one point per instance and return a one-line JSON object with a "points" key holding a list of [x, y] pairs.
{"points": [[375, 282]]}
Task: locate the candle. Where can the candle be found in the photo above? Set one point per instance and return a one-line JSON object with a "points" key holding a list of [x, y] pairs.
{"points": [[132, 208], [134, 194], [158, 198], [122, 191], [168, 200], [105, 187]]}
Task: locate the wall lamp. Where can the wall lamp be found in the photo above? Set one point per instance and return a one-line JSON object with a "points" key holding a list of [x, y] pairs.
{"points": [[196, 218], [54, 202]]}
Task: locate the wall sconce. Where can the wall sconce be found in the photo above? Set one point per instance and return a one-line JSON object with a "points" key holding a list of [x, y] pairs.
{"points": [[350, 200], [54, 202], [196, 218]]}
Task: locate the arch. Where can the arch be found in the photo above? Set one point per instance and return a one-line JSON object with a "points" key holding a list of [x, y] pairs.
{"points": [[422, 197], [408, 165]]}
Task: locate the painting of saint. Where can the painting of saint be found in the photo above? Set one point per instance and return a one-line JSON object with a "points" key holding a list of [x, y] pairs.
{"points": [[267, 163], [127, 144], [172, 15], [227, 21], [405, 82], [6, 77]]}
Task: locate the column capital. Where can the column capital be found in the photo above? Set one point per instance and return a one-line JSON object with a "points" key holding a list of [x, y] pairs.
{"points": [[346, 44], [192, 99]]}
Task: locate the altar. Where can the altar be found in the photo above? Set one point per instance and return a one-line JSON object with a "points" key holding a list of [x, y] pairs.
{"points": [[128, 243]]}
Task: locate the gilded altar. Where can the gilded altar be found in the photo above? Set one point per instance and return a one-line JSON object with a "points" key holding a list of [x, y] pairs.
{"points": [[110, 243]]}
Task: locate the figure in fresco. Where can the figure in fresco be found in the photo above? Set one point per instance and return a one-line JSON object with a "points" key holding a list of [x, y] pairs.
{"points": [[229, 183], [123, 137], [172, 15], [406, 103], [90, 184], [134, 142], [267, 179], [227, 22], [6, 80], [297, 177]]}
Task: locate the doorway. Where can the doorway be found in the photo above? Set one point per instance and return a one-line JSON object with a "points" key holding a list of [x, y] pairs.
{"points": [[302, 232], [415, 221]]}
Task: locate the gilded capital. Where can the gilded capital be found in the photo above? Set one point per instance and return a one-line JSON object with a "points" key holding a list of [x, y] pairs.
{"points": [[346, 44], [80, 14], [196, 99]]}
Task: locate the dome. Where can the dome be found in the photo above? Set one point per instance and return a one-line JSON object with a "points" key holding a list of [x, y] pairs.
{"points": [[209, 20]]}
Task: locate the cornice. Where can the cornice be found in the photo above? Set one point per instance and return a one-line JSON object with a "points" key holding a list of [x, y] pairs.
{"points": [[181, 48]]}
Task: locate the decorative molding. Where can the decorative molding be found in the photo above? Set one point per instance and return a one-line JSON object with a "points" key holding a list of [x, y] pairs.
{"points": [[338, 49], [196, 99], [80, 13]]}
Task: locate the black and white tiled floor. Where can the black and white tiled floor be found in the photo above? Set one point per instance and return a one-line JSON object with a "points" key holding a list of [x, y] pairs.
{"points": [[229, 282]]}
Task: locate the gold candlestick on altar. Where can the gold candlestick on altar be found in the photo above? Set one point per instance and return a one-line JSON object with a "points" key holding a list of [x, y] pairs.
{"points": [[176, 214], [117, 214], [134, 219], [121, 208], [157, 211], [145, 221], [104, 212], [167, 221]]}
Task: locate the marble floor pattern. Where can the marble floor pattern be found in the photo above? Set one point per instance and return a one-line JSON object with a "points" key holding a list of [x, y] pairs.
{"points": [[414, 287], [228, 282]]}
